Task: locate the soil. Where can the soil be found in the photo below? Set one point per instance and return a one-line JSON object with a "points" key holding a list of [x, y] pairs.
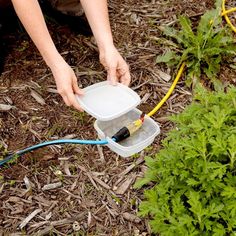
{"points": [[93, 193]]}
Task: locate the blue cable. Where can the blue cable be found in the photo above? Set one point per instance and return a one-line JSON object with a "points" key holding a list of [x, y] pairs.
{"points": [[54, 142]]}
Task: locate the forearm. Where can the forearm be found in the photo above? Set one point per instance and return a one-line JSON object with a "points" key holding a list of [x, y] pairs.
{"points": [[97, 15], [32, 18]]}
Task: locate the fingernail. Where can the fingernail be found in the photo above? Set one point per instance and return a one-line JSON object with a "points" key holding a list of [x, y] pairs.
{"points": [[80, 93]]}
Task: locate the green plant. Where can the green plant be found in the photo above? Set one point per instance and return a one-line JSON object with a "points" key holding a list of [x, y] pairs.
{"points": [[193, 177], [79, 116], [3, 151], [202, 48], [54, 130]]}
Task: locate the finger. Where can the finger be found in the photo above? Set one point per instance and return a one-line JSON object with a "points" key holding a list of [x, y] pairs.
{"points": [[111, 76], [76, 88], [124, 73], [73, 101], [64, 97], [126, 78]]}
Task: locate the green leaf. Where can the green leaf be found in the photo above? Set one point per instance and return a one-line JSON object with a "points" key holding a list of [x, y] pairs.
{"points": [[167, 57], [170, 32], [186, 28], [192, 182], [229, 192]]}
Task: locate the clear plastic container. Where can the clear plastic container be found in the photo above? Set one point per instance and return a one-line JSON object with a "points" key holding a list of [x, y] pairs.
{"points": [[133, 144], [106, 102]]}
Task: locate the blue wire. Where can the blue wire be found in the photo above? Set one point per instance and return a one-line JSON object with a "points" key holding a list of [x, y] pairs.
{"points": [[54, 142]]}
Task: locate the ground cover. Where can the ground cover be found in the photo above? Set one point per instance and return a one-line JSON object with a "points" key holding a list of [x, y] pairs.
{"points": [[92, 192]]}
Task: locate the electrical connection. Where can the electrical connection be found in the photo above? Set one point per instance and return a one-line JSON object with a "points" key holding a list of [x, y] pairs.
{"points": [[129, 129], [133, 127]]}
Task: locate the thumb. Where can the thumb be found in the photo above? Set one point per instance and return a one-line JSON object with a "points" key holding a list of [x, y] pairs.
{"points": [[111, 76]]}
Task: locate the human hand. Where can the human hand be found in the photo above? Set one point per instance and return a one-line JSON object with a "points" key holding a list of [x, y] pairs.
{"points": [[67, 85], [116, 67]]}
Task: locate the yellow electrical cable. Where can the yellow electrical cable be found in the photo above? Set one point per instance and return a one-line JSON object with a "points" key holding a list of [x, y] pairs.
{"points": [[138, 123], [224, 13], [163, 100], [228, 11], [158, 106]]}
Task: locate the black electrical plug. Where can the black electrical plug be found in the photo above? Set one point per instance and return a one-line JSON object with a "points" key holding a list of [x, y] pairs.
{"points": [[122, 134]]}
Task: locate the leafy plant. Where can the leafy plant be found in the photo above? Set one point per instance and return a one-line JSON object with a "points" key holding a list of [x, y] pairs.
{"points": [[202, 48], [194, 176]]}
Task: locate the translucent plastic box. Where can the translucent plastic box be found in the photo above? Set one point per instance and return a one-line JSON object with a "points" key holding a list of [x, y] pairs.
{"points": [[133, 144], [115, 107]]}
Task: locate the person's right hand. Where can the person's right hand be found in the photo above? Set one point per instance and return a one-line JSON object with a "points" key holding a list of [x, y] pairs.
{"points": [[67, 85]]}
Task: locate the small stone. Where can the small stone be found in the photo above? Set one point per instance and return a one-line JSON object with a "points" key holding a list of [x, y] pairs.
{"points": [[76, 227]]}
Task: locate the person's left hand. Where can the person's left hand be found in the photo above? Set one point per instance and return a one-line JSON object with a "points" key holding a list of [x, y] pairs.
{"points": [[116, 67]]}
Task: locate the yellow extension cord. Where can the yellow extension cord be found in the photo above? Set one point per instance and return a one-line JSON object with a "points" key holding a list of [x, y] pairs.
{"points": [[225, 12], [180, 71], [163, 100]]}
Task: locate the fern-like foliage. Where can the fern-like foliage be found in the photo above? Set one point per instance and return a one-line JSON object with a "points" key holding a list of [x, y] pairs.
{"points": [[193, 177], [203, 48]]}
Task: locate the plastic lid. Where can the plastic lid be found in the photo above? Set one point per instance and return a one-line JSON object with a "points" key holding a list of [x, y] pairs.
{"points": [[106, 102]]}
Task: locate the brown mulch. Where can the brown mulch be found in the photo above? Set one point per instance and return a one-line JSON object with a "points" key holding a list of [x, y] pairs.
{"points": [[73, 189]]}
